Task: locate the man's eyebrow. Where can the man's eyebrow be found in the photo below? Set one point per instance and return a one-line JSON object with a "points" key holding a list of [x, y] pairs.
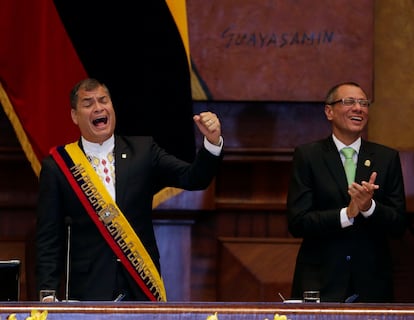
{"points": [[86, 99]]}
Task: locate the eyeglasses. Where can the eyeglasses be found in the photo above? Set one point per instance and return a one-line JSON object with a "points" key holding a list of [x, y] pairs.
{"points": [[352, 101]]}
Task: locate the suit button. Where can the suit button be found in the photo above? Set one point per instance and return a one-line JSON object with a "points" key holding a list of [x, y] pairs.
{"points": [[348, 258]]}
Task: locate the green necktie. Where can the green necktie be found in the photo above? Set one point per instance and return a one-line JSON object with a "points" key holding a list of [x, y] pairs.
{"points": [[349, 164]]}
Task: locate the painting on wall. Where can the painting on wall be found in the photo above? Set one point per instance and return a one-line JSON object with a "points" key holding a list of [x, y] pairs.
{"points": [[279, 50]]}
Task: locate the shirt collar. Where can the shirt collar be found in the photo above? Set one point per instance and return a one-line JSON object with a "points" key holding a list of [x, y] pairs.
{"points": [[98, 149], [356, 145]]}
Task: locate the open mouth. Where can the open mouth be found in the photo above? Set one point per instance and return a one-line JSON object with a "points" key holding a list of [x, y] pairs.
{"points": [[98, 121]]}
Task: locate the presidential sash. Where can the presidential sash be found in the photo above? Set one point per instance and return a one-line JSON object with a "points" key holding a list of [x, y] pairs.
{"points": [[109, 219]]}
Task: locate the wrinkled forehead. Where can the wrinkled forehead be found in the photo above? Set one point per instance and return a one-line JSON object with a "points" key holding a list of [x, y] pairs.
{"points": [[89, 97]]}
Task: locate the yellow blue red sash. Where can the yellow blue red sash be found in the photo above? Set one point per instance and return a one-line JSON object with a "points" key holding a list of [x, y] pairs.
{"points": [[109, 219]]}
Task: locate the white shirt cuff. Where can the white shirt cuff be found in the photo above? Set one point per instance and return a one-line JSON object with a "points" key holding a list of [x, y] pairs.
{"points": [[345, 221], [212, 148], [370, 211]]}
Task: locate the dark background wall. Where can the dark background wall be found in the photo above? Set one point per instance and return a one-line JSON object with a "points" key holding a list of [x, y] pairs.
{"points": [[231, 240]]}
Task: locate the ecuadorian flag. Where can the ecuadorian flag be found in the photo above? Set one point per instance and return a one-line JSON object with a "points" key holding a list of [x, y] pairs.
{"points": [[139, 50]]}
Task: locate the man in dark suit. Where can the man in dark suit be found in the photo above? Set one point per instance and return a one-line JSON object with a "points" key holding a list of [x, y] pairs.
{"points": [[103, 185], [346, 227]]}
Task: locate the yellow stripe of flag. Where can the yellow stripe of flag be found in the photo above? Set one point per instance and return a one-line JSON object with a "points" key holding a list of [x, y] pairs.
{"points": [[178, 10]]}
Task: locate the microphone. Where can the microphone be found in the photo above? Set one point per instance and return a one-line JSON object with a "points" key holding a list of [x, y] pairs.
{"points": [[352, 298], [68, 223]]}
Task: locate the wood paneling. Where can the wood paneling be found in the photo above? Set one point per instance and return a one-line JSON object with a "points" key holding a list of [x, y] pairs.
{"points": [[246, 200], [255, 269], [174, 243]]}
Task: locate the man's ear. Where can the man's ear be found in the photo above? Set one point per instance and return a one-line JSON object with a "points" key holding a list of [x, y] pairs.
{"points": [[73, 115], [328, 111]]}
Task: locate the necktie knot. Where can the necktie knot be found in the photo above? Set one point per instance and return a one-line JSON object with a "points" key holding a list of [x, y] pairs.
{"points": [[349, 164], [348, 152]]}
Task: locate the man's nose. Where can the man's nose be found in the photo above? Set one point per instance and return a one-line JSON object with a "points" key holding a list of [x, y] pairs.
{"points": [[98, 107]]}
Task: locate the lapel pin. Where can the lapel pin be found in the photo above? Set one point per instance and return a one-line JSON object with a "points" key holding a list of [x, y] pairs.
{"points": [[367, 163], [123, 156]]}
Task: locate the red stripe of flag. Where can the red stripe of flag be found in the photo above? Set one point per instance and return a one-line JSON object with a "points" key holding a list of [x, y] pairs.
{"points": [[38, 66]]}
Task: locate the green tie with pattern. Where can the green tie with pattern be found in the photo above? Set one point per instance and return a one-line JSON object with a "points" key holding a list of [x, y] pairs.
{"points": [[349, 164]]}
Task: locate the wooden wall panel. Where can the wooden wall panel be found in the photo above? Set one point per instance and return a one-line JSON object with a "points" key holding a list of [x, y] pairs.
{"points": [[247, 198], [174, 243], [255, 269]]}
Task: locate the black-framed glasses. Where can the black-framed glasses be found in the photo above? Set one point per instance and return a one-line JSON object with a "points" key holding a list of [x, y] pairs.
{"points": [[348, 102]]}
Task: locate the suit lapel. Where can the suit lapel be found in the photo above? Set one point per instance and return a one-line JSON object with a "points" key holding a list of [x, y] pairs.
{"points": [[122, 159], [334, 165], [365, 162]]}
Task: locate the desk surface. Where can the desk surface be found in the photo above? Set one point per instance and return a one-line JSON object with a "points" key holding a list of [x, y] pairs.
{"points": [[200, 310]]}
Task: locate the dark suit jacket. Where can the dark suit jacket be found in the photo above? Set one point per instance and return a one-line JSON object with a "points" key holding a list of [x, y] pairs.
{"points": [[94, 272], [342, 261]]}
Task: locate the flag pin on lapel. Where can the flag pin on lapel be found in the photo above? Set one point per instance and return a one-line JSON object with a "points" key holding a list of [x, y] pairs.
{"points": [[124, 156], [367, 163]]}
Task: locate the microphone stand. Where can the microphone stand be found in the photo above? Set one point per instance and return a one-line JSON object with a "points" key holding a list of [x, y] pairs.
{"points": [[68, 221]]}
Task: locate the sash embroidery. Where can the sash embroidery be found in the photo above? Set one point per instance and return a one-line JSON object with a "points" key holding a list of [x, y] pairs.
{"points": [[109, 219]]}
